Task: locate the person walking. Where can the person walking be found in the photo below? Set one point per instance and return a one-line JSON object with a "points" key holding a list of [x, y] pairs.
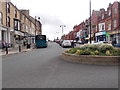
{"points": [[72, 44], [114, 42]]}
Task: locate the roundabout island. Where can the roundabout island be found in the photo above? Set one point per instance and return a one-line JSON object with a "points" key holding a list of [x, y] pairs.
{"points": [[98, 54]]}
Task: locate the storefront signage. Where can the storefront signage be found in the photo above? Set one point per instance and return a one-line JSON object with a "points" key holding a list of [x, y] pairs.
{"points": [[100, 33], [19, 33]]}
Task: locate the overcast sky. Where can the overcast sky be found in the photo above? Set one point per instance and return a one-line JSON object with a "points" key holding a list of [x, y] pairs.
{"points": [[54, 13]]}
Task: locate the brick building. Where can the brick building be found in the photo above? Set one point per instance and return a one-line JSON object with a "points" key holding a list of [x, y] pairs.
{"points": [[105, 25]]}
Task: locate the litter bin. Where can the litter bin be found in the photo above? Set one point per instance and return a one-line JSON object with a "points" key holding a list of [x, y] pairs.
{"points": [[28, 46]]}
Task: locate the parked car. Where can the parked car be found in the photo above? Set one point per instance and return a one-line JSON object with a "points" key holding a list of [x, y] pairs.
{"points": [[103, 42], [80, 42], [66, 43], [60, 42], [117, 45]]}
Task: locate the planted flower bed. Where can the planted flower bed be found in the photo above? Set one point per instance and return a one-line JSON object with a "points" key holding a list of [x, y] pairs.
{"points": [[95, 49], [93, 54]]}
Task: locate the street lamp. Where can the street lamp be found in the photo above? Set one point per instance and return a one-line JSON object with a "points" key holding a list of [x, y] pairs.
{"points": [[58, 35], [62, 28], [35, 23]]}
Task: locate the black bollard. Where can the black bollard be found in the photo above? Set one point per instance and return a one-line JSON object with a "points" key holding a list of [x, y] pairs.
{"points": [[6, 50], [19, 48]]}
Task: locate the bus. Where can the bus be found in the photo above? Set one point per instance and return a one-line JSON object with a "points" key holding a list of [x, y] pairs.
{"points": [[40, 41]]}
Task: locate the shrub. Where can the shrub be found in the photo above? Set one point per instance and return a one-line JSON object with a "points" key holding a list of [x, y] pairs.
{"points": [[92, 53], [115, 52], [91, 47], [72, 51], [108, 53], [96, 52], [95, 49], [77, 52], [85, 52], [104, 48]]}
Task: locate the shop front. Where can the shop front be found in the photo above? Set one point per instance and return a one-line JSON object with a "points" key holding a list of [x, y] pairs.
{"points": [[115, 35], [100, 36], [18, 38]]}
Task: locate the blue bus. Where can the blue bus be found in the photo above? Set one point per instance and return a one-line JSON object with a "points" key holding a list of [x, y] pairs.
{"points": [[40, 41]]}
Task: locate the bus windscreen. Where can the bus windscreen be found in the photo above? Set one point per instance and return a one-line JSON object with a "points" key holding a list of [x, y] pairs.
{"points": [[40, 37]]}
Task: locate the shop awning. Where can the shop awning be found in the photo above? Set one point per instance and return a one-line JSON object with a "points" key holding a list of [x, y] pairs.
{"points": [[87, 38]]}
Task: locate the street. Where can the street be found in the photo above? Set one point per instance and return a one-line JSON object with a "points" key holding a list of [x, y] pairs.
{"points": [[44, 68]]}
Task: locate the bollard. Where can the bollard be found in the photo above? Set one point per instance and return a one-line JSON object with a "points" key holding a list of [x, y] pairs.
{"points": [[19, 48], [6, 50]]}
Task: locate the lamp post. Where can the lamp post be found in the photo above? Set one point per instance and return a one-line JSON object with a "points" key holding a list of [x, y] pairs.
{"points": [[62, 28], [58, 35], [90, 23], [35, 23]]}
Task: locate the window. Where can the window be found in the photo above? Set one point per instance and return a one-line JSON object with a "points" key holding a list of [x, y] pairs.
{"points": [[115, 10], [0, 18], [103, 27], [40, 37], [109, 12], [15, 13], [115, 23], [16, 24], [8, 8], [109, 26], [8, 21], [102, 16]]}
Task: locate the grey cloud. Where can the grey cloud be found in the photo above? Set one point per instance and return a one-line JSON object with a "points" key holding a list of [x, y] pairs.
{"points": [[50, 20]]}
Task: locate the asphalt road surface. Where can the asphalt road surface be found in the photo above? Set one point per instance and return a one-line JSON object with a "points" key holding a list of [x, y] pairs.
{"points": [[44, 68]]}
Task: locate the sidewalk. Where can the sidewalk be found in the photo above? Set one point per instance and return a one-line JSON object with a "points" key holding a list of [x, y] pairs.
{"points": [[14, 50]]}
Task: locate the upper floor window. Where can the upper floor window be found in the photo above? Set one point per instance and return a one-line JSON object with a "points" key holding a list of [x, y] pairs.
{"points": [[115, 23], [8, 8], [109, 26], [102, 16], [101, 26], [109, 13], [8, 21], [0, 18], [16, 24], [15, 13], [115, 10]]}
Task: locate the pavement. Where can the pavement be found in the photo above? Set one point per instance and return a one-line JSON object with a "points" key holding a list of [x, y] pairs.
{"points": [[14, 50]]}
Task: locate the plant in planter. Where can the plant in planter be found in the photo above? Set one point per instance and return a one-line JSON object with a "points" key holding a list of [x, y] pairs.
{"points": [[95, 49]]}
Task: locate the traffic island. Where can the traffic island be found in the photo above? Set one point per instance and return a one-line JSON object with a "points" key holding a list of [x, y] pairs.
{"points": [[89, 59], [100, 54]]}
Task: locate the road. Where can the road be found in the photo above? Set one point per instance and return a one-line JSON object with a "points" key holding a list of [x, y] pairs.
{"points": [[44, 68]]}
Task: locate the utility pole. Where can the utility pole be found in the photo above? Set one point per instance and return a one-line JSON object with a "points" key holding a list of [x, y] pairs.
{"points": [[90, 23], [35, 23], [62, 28]]}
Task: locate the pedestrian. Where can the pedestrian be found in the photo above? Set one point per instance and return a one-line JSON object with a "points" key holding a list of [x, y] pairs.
{"points": [[72, 44], [114, 42]]}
